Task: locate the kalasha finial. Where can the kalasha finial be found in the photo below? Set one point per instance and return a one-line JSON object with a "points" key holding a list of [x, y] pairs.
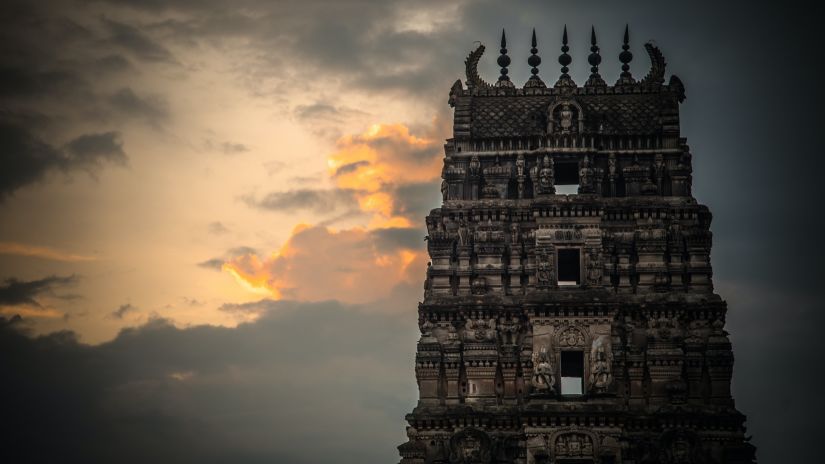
{"points": [[564, 61], [503, 60], [625, 57], [534, 61], [594, 59]]}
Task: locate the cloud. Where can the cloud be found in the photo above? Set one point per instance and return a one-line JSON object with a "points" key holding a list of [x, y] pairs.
{"points": [[21, 249], [212, 394], [318, 201], [232, 253], [135, 41], [351, 265], [16, 292], [122, 310], [217, 228], [151, 108], [26, 158]]}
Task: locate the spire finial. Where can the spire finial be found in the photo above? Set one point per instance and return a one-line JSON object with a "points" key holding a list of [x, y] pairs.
{"points": [[534, 61], [594, 59], [564, 58], [564, 61], [503, 60], [625, 57]]}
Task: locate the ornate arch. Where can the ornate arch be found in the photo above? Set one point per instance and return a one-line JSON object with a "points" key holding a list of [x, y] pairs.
{"points": [[551, 122]]}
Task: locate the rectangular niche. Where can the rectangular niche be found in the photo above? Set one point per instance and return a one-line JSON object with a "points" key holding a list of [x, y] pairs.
{"points": [[569, 266], [572, 372], [566, 177]]}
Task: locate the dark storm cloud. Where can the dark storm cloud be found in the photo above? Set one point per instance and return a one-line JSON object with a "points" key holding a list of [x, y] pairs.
{"points": [[417, 199], [151, 108], [319, 201], [268, 391], [16, 292], [122, 310], [25, 158], [132, 39], [393, 238]]}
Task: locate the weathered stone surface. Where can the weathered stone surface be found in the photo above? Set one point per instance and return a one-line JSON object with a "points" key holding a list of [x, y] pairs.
{"points": [[616, 277]]}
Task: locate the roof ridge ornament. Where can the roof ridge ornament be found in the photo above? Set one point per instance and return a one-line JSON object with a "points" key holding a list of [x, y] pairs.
{"points": [[656, 76], [503, 61], [474, 81], [595, 80], [626, 57], [534, 61], [564, 61]]}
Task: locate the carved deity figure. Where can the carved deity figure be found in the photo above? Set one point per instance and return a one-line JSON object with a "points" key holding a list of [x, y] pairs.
{"points": [[585, 176], [475, 166], [546, 175], [543, 379], [509, 330], [444, 190], [520, 165], [594, 268], [544, 268], [463, 233], [600, 376], [565, 118], [513, 233]]}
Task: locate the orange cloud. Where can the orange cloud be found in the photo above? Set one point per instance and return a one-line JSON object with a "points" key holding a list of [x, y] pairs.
{"points": [[384, 155], [362, 264], [20, 249], [317, 263]]}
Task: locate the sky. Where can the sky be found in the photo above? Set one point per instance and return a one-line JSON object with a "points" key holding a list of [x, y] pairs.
{"points": [[212, 213]]}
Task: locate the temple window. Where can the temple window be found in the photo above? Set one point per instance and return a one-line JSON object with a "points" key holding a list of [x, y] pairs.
{"points": [[572, 372], [566, 177], [569, 266]]}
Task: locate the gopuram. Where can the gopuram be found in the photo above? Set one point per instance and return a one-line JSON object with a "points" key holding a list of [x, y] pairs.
{"points": [[569, 314]]}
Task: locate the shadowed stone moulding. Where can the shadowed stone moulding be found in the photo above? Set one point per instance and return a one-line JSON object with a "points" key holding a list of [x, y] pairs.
{"points": [[569, 314]]}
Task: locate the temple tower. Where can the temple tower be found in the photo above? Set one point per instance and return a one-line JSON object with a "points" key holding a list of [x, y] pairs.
{"points": [[569, 314]]}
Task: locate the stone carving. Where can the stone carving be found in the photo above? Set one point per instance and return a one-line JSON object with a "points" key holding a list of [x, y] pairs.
{"points": [[444, 190], [479, 286], [543, 380], [571, 337], [565, 118], [600, 367], [509, 330], [463, 233], [594, 268], [480, 330], [520, 165], [586, 176], [470, 446], [680, 447], [573, 445], [546, 180], [545, 275], [475, 166]]}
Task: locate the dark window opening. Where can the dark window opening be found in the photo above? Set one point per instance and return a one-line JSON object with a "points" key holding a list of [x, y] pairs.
{"points": [[569, 267], [566, 177], [572, 372]]}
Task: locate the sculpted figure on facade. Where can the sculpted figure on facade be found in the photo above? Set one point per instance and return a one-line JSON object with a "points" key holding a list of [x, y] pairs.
{"points": [[546, 181], [480, 330], [445, 187], [586, 176], [600, 368], [543, 380]]}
